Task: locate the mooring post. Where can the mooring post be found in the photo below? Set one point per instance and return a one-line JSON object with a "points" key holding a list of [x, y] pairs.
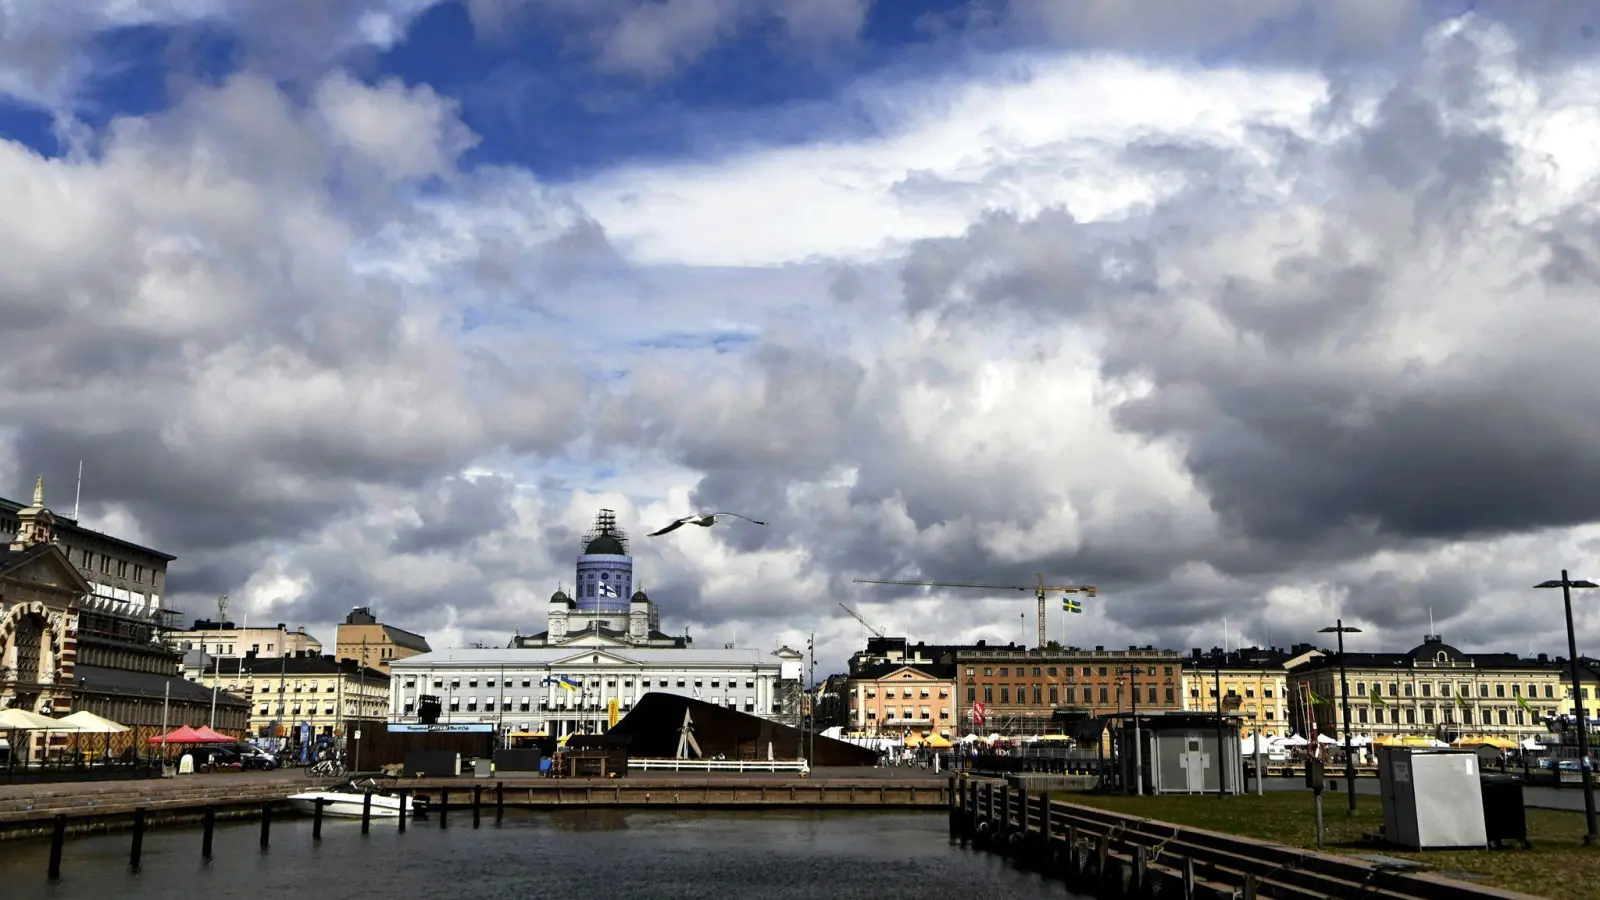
{"points": [[138, 839], [499, 802], [366, 812], [1188, 879], [1005, 810], [953, 808], [207, 828], [1141, 864], [1046, 826], [444, 808], [403, 793], [58, 838], [477, 805], [1022, 814], [316, 819], [1250, 887]]}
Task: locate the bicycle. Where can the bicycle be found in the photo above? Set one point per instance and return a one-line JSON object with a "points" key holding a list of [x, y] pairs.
{"points": [[325, 768]]}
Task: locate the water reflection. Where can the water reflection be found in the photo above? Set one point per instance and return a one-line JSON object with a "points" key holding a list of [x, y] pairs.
{"points": [[571, 854]]}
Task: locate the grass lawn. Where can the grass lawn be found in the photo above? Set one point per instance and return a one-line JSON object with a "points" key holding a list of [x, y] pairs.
{"points": [[1557, 866]]}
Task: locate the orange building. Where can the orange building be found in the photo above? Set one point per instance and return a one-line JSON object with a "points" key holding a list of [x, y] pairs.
{"points": [[1023, 690], [895, 699]]}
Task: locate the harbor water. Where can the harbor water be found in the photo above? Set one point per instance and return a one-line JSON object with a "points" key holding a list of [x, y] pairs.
{"points": [[571, 854]]}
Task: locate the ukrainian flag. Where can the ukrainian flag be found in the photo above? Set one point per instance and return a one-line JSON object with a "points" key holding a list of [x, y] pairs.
{"points": [[566, 681]]}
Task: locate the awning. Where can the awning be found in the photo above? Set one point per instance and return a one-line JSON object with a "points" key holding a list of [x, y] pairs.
{"points": [[184, 735], [205, 735]]}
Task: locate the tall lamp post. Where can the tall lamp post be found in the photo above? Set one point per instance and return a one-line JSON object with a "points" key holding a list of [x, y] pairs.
{"points": [[1567, 584], [1341, 630], [1222, 768], [216, 670], [1138, 752]]}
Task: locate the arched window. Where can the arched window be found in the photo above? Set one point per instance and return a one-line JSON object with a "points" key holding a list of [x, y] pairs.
{"points": [[1442, 657], [29, 641]]}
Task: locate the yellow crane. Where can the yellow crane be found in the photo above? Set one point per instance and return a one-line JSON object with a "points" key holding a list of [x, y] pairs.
{"points": [[1068, 602]]}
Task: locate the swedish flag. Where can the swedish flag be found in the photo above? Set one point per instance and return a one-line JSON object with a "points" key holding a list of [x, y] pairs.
{"points": [[1071, 604]]}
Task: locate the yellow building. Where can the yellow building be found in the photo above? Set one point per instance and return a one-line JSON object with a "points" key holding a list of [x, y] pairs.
{"points": [[1255, 687], [894, 700], [363, 638], [291, 691], [1434, 689]]}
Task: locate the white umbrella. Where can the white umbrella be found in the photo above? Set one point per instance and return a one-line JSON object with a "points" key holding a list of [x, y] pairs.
{"points": [[1324, 739], [1295, 740], [89, 722], [22, 720]]}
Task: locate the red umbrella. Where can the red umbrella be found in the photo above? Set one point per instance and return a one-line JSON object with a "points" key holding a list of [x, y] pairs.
{"points": [[184, 735], [204, 734]]}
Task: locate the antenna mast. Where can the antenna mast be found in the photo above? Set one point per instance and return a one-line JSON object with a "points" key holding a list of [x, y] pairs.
{"points": [[79, 497]]}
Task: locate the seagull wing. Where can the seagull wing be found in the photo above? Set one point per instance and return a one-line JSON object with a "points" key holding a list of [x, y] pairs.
{"points": [[737, 516], [673, 527]]}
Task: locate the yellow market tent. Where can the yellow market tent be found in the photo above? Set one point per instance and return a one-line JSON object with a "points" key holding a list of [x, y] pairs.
{"points": [[937, 742]]}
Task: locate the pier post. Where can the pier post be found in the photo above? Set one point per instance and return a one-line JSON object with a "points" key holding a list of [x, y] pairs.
{"points": [[477, 806], [499, 802], [208, 828], [1045, 825], [137, 849], [366, 812], [316, 819], [1003, 824], [444, 808], [1022, 815], [266, 823], [953, 802], [1188, 879], [403, 794], [1250, 887], [58, 838]]}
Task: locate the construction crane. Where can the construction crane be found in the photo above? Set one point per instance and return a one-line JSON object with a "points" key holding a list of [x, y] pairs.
{"points": [[1068, 602], [869, 626]]}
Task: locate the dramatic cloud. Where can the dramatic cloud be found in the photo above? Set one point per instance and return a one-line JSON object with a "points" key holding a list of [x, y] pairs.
{"points": [[1264, 343]]}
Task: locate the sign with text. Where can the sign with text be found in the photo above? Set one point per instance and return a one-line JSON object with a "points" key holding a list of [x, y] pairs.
{"points": [[441, 728]]}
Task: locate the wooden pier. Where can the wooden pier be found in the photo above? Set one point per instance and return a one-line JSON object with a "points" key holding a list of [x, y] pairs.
{"points": [[1112, 855], [744, 792]]}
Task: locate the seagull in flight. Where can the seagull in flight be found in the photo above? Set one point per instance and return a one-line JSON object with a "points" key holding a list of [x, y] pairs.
{"points": [[704, 521]]}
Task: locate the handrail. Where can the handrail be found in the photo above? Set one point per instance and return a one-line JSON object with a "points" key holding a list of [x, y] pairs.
{"points": [[719, 765]]}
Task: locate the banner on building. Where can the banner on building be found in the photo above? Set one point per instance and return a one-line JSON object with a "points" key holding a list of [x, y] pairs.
{"points": [[441, 728]]}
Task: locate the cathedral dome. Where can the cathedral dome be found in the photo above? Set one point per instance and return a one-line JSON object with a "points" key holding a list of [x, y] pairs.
{"points": [[561, 597], [605, 542], [639, 597]]}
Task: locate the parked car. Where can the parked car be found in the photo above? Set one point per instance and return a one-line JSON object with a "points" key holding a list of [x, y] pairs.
{"points": [[212, 758], [253, 757]]}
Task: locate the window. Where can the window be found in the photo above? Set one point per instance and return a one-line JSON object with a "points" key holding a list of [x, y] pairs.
{"points": [[1055, 695], [1169, 695], [1427, 690], [987, 671], [972, 694], [1005, 694], [1037, 671], [1105, 694], [472, 682], [1167, 671], [489, 683], [1052, 671], [1072, 694], [988, 693], [1038, 695]]}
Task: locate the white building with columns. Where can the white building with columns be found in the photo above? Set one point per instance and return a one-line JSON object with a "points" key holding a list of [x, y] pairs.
{"points": [[601, 651]]}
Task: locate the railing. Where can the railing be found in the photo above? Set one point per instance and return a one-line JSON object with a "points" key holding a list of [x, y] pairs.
{"points": [[720, 765], [1133, 856]]}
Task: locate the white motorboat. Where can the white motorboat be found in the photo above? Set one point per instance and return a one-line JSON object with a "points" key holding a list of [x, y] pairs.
{"points": [[347, 803]]}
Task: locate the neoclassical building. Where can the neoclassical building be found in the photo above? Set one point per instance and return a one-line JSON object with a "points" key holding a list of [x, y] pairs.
{"points": [[39, 594], [1434, 689], [601, 651]]}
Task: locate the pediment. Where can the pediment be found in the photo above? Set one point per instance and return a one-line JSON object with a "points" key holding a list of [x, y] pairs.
{"points": [[50, 568], [595, 657]]}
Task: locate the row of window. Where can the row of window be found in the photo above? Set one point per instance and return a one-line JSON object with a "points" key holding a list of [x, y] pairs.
{"points": [[1464, 689], [110, 565], [611, 681], [1053, 671], [1068, 694], [526, 704], [1488, 717], [921, 715], [350, 709], [944, 693]]}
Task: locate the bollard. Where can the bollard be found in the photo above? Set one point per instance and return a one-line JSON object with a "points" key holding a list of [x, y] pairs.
{"points": [[58, 837], [477, 805], [444, 809], [403, 793], [209, 826], [1250, 888], [366, 812], [138, 839], [316, 820], [1188, 879], [266, 824], [499, 803]]}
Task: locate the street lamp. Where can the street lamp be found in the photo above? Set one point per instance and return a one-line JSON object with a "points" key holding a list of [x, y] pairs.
{"points": [[1341, 630], [1567, 584], [216, 681], [1138, 752]]}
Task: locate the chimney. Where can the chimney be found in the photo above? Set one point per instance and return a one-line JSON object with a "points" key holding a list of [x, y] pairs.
{"points": [[282, 627]]}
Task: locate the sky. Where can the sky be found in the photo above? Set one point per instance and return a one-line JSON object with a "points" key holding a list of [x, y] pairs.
{"points": [[1255, 314]]}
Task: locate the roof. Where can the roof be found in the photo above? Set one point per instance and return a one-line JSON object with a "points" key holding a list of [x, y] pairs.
{"points": [[407, 639], [879, 671], [97, 679], [1244, 658], [1423, 656], [622, 636], [542, 656], [299, 665], [10, 559], [14, 506]]}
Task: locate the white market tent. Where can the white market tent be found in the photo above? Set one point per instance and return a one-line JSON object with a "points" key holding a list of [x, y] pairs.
{"points": [[89, 723]]}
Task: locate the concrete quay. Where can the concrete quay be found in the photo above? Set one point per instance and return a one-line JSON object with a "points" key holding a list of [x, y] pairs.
{"points": [[30, 810]]}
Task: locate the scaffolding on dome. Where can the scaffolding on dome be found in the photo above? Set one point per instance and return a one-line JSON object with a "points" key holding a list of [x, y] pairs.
{"points": [[605, 522]]}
